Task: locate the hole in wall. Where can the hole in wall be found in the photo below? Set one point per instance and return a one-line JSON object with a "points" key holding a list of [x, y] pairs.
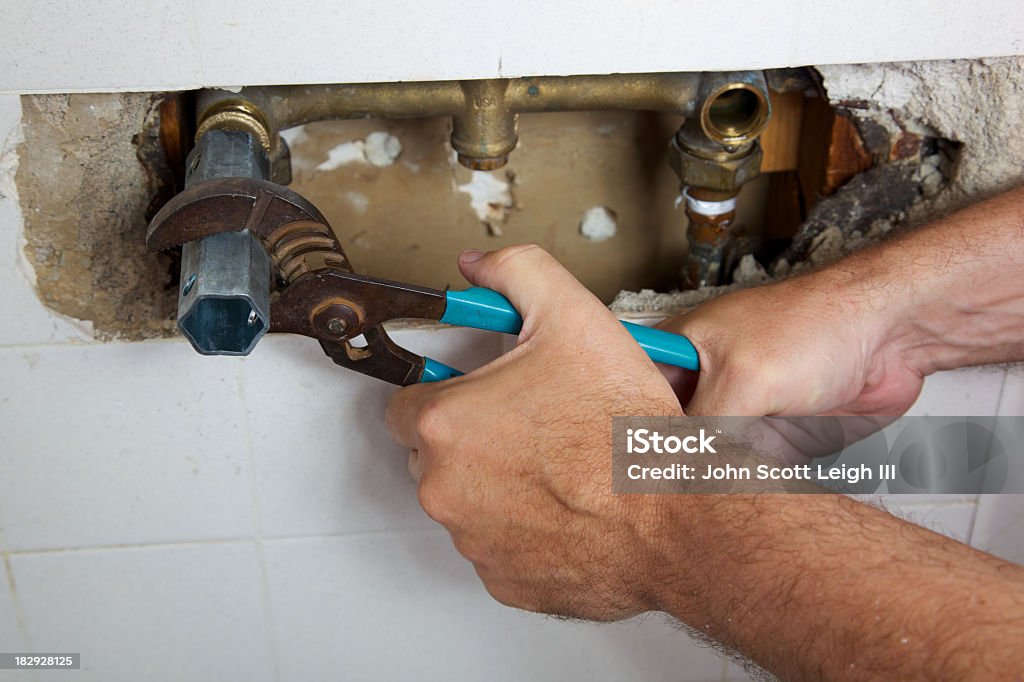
{"points": [[94, 168]]}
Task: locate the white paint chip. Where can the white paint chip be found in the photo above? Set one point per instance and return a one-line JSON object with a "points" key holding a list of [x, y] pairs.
{"points": [[599, 223], [294, 135], [490, 196], [378, 149], [346, 152], [382, 149]]}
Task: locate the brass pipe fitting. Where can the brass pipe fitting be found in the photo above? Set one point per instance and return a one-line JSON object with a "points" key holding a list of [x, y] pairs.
{"points": [[714, 154], [716, 150], [485, 129], [238, 115], [484, 112]]}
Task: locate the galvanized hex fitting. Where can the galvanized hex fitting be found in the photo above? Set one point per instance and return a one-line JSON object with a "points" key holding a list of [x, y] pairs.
{"points": [[224, 300]]}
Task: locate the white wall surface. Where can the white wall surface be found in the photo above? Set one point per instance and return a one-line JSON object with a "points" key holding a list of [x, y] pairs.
{"points": [[176, 517], [102, 45]]}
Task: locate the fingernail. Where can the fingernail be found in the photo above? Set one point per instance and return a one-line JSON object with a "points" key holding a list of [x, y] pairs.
{"points": [[471, 255]]}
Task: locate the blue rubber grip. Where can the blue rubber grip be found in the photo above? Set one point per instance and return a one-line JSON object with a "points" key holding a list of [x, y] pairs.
{"points": [[481, 308], [437, 371], [665, 347]]}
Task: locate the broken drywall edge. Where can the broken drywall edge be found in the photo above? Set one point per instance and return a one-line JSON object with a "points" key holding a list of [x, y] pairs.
{"points": [[23, 291]]}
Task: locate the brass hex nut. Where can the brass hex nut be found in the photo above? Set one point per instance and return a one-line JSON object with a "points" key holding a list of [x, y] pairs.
{"points": [[724, 175]]}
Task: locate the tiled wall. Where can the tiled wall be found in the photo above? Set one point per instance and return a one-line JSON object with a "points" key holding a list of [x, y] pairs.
{"points": [[174, 517]]}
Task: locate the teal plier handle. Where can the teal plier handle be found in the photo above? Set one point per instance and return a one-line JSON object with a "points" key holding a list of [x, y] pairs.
{"points": [[486, 309]]}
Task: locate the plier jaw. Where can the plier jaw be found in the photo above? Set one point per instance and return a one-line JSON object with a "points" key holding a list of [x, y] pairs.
{"points": [[335, 306]]}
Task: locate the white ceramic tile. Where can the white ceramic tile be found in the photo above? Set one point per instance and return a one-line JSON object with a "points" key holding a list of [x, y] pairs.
{"points": [[401, 606], [1012, 403], [61, 45], [964, 392], [999, 526], [324, 461], [121, 443], [952, 520], [735, 673], [187, 612], [23, 318]]}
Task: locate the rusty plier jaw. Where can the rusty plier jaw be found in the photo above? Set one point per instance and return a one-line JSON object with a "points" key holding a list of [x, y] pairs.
{"points": [[334, 306], [319, 297]]}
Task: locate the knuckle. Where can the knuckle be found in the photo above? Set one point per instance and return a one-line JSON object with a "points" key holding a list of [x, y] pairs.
{"points": [[470, 549], [433, 421], [503, 593], [514, 255], [434, 502]]}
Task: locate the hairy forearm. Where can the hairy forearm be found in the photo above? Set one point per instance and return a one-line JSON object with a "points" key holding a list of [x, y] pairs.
{"points": [[950, 294], [822, 587]]}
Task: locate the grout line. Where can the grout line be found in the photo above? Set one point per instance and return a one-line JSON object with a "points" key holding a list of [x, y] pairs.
{"points": [[130, 545], [268, 612], [221, 541], [980, 498], [725, 669]]}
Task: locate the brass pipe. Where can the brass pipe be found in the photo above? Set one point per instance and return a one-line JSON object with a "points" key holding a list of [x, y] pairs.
{"points": [[484, 112]]}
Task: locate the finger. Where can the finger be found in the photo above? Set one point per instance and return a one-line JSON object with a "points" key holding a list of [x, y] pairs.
{"points": [[402, 414], [536, 284]]}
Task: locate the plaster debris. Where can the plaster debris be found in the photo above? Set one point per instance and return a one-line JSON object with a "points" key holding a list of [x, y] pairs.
{"points": [[749, 271], [491, 198], [650, 303], [599, 223], [359, 201], [378, 149], [976, 102], [346, 152], [293, 136], [382, 149]]}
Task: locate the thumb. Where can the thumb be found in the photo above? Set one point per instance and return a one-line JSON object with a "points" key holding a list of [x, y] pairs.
{"points": [[536, 284]]}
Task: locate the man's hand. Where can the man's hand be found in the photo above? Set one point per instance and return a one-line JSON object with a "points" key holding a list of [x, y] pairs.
{"points": [[514, 458], [817, 344], [859, 336]]}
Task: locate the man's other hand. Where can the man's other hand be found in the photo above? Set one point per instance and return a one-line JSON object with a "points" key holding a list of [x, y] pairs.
{"points": [[514, 458], [817, 344]]}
